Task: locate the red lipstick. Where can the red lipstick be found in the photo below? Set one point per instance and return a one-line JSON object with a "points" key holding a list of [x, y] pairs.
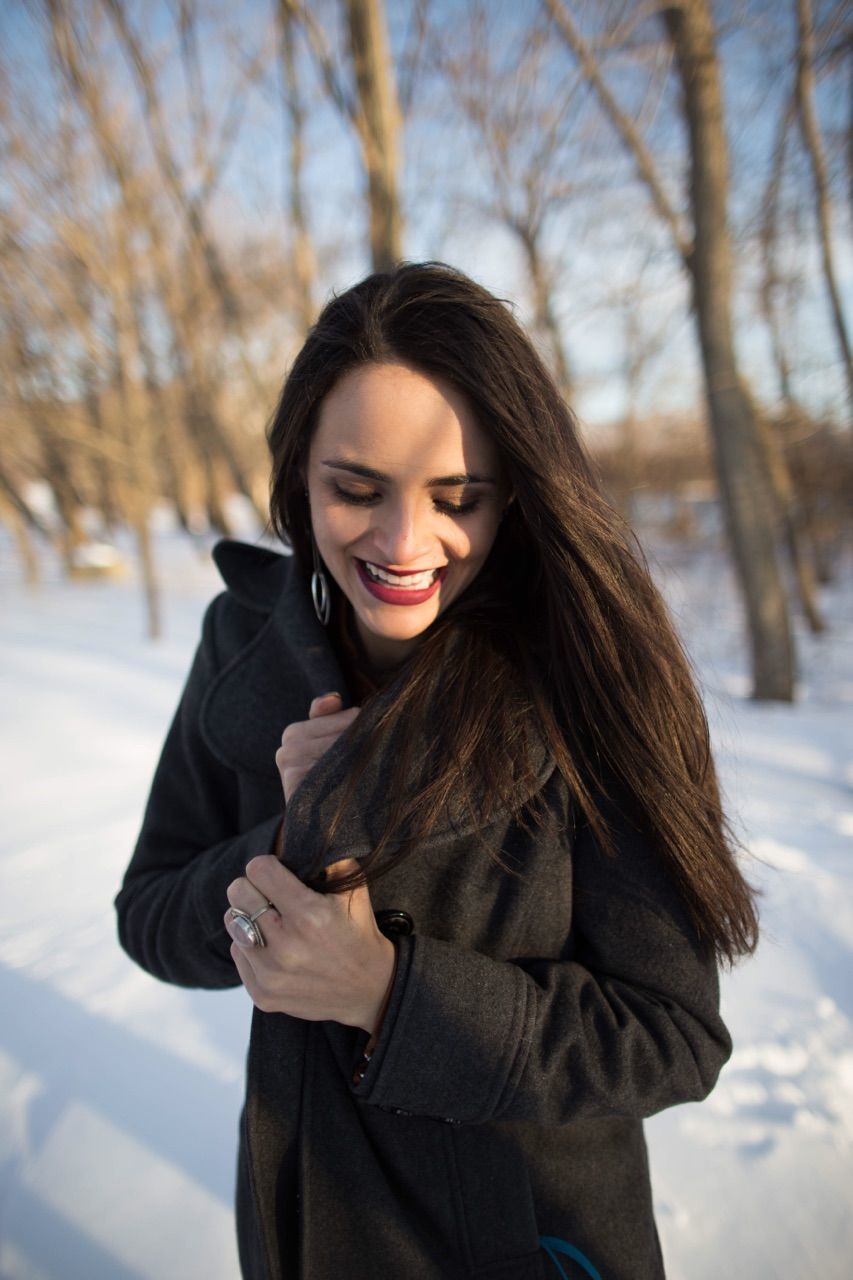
{"points": [[399, 595]]}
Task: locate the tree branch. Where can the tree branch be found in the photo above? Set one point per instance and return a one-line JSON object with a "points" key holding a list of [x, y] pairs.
{"points": [[624, 126]]}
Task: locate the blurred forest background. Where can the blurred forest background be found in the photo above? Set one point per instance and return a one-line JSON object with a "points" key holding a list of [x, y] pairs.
{"points": [[664, 190]]}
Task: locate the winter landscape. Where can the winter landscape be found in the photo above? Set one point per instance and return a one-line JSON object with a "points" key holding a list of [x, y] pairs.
{"points": [[120, 1095]]}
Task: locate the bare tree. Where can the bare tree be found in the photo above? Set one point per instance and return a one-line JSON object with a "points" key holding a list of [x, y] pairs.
{"points": [[770, 289], [644, 339], [769, 235], [127, 381], [741, 465], [372, 109], [809, 127], [188, 203], [30, 377], [304, 259], [378, 123], [521, 131], [137, 416], [177, 290], [12, 514]]}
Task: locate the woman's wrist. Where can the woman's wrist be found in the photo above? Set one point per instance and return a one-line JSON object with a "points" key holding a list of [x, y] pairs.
{"points": [[374, 1019], [367, 1051]]}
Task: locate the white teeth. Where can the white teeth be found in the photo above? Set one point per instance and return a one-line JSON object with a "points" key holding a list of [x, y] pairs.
{"points": [[412, 581]]}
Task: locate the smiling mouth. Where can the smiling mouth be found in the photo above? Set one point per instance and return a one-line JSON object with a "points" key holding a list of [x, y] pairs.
{"points": [[415, 580]]}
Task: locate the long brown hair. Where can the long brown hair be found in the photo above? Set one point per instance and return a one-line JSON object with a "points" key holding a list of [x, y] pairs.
{"points": [[563, 622]]}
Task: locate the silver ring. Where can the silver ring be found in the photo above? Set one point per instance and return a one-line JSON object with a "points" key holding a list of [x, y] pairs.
{"points": [[246, 923]]}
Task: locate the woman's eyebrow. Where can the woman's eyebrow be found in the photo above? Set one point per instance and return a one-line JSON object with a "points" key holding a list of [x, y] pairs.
{"points": [[370, 473]]}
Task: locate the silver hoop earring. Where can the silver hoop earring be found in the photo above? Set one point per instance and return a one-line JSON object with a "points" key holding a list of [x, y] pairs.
{"points": [[320, 588], [320, 593]]}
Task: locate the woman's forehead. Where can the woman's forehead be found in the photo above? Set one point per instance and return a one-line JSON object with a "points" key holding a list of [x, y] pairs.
{"points": [[397, 417]]}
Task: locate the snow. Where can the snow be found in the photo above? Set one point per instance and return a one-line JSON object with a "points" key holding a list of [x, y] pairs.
{"points": [[119, 1095]]}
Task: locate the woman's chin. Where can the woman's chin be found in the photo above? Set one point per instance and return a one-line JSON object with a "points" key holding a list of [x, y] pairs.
{"points": [[400, 630], [390, 639]]}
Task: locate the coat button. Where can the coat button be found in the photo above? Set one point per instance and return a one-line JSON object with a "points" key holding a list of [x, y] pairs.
{"points": [[393, 923]]}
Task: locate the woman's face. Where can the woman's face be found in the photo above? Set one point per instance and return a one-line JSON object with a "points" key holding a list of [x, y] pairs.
{"points": [[406, 492]]}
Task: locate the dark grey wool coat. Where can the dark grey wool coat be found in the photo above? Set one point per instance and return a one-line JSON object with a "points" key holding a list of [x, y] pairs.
{"points": [[498, 1130]]}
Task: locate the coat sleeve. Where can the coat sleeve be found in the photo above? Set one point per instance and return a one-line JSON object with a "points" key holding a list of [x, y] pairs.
{"points": [[172, 899], [628, 1026]]}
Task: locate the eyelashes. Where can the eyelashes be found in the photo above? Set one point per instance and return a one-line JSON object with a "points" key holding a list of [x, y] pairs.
{"points": [[368, 500]]}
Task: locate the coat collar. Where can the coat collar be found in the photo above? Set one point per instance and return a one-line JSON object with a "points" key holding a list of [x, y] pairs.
{"points": [[271, 681]]}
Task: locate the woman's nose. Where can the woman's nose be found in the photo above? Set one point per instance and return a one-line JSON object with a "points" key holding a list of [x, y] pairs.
{"points": [[402, 534]]}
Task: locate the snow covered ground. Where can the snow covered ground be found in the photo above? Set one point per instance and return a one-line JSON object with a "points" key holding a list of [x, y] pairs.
{"points": [[119, 1095]]}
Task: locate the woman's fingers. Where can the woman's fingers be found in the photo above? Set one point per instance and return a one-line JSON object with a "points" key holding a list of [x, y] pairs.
{"points": [[246, 897], [325, 958], [242, 893], [304, 742], [330, 724], [324, 705]]}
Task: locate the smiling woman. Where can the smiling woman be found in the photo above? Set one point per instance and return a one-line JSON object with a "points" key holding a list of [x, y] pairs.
{"points": [[406, 493], [439, 793]]}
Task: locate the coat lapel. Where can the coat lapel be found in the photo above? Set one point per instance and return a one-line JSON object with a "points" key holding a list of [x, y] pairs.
{"points": [[271, 682]]}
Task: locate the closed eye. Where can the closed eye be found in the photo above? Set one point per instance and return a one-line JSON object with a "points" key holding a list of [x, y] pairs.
{"points": [[369, 499]]}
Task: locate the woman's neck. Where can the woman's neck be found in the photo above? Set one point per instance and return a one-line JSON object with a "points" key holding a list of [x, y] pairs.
{"points": [[365, 671], [381, 656]]}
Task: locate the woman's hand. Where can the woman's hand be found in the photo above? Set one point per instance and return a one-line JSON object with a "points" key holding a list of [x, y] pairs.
{"points": [[324, 959], [305, 741]]}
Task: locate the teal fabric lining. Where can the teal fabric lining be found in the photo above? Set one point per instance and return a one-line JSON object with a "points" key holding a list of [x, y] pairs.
{"points": [[553, 1245]]}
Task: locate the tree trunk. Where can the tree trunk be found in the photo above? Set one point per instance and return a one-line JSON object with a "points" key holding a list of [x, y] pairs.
{"points": [[145, 548], [11, 495], [628, 428], [379, 127], [804, 576], [304, 260], [751, 513], [137, 420], [769, 240], [56, 469], [545, 319], [814, 147], [850, 126], [11, 516]]}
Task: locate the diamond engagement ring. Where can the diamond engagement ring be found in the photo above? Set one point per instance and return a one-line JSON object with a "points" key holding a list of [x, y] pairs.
{"points": [[246, 924]]}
